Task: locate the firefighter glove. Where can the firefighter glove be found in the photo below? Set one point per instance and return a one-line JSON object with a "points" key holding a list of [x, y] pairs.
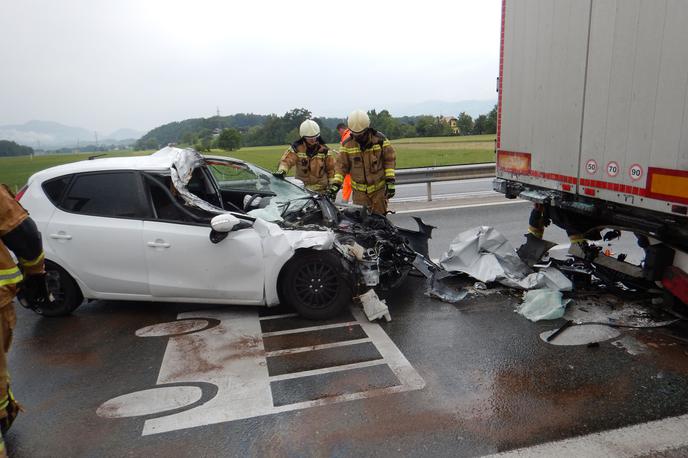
{"points": [[333, 190], [35, 290], [279, 174], [390, 188]]}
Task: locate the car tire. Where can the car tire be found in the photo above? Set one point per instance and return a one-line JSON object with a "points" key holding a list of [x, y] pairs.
{"points": [[64, 289], [314, 285]]}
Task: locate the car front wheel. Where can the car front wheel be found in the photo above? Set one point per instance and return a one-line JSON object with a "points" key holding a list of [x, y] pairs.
{"points": [[315, 284]]}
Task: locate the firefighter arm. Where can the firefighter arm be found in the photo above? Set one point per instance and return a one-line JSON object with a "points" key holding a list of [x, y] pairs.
{"points": [[330, 165], [25, 242], [342, 167], [287, 161], [389, 159]]}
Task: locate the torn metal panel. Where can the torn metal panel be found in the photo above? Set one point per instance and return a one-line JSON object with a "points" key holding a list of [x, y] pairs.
{"points": [[184, 163]]}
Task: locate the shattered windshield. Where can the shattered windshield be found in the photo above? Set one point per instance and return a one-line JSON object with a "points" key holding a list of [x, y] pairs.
{"points": [[273, 197]]}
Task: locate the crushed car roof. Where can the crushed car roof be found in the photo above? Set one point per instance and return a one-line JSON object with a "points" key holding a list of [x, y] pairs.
{"points": [[160, 160]]}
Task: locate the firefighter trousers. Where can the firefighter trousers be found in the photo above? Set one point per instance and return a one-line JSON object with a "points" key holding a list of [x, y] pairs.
{"points": [[376, 201]]}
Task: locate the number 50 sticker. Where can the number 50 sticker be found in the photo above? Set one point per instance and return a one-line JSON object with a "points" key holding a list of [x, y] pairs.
{"points": [[635, 172]]}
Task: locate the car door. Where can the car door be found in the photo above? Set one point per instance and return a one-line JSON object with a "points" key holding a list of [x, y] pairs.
{"points": [[96, 232], [184, 263]]}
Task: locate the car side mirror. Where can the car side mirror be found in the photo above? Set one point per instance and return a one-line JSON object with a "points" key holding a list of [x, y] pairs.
{"points": [[222, 225]]}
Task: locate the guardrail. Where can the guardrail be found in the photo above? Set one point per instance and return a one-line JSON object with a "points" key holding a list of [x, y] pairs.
{"points": [[431, 175]]}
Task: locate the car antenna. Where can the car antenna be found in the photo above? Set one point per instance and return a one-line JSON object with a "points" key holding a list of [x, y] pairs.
{"points": [[96, 156]]}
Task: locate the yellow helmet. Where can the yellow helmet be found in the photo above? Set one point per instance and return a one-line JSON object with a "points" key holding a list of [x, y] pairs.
{"points": [[358, 121], [309, 128]]}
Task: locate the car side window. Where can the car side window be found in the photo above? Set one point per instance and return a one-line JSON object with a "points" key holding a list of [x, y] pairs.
{"points": [[114, 194], [56, 187]]}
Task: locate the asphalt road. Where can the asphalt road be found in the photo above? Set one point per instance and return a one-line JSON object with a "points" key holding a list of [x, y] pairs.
{"points": [[475, 378]]}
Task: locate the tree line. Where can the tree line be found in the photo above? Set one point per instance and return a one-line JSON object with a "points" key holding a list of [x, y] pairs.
{"points": [[232, 132], [10, 148]]}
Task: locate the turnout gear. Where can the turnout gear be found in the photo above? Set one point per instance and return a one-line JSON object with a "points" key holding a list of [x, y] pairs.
{"points": [[314, 164], [309, 128], [358, 121], [371, 160], [19, 234]]}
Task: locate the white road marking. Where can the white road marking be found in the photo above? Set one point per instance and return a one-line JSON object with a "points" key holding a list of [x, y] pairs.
{"points": [[454, 207], [442, 196], [312, 328], [139, 403], [231, 356], [171, 328], [638, 440], [279, 317], [290, 351]]}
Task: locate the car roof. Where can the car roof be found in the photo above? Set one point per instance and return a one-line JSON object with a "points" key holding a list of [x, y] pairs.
{"points": [[159, 161]]}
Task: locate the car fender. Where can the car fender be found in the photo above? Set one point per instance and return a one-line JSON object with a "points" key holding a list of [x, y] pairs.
{"points": [[280, 245]]}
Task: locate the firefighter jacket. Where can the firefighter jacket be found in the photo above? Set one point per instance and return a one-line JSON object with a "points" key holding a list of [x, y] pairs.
{"points": [[314, 164], [370, 164], [11, 216]]}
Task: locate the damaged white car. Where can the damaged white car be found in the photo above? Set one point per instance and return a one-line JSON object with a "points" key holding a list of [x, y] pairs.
{"points": [[179, 227]]}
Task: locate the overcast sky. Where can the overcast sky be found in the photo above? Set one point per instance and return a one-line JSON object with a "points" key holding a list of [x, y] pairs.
{"points": [[140, 63]]}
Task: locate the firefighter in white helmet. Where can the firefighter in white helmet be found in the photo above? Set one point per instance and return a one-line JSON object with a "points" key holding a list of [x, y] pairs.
{"points": [[370, 159], [311, 157]]}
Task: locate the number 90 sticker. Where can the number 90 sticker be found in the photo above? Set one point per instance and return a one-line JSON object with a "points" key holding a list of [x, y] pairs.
{"points": [[591, 166], [612, 168], [635, 172]]}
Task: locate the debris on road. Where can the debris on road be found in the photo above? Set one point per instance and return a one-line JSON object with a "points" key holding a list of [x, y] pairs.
{"points": [[373, 307], [486, 255], [543, 304]]}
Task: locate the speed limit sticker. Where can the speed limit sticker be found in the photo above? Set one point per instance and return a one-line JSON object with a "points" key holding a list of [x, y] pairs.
{"points": [[612, 169], [635, 172], [591, 166]]}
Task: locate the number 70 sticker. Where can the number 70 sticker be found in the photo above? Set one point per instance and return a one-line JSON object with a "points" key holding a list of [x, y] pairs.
{"points": [[612, 168]]}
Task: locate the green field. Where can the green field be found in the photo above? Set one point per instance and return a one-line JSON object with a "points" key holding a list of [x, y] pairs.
{"points": [[411, 152]]}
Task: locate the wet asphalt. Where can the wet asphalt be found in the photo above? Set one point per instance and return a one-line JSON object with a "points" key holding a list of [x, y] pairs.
{"points": [[489, 382]]}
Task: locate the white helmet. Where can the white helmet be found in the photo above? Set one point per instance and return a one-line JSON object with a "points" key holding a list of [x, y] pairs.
{"points": [[309, 128], [358, 121]]}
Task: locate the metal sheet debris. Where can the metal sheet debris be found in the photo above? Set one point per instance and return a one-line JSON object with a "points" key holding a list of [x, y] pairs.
{"points": [[486, 255]]}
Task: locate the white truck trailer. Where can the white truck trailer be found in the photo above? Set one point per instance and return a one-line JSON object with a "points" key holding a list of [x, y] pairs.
{"points": [[593, 120]]}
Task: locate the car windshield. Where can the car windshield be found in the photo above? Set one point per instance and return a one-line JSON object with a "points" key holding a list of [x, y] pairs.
{"points": [[283, 197]]}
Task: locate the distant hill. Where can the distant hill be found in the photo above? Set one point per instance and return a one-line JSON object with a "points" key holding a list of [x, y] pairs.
{"points": [[53, 135], [440, 107], [175, 132]]}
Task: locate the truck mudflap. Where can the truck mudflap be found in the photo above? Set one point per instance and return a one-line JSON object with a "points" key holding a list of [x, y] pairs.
{"points": [[676, 282]]}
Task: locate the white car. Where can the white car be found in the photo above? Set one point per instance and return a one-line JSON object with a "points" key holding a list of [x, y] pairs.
{"points": [[139, 228]]}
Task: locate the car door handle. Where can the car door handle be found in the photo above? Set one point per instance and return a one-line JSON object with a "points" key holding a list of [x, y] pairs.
{"points": [[159, 244], [61, 236]]}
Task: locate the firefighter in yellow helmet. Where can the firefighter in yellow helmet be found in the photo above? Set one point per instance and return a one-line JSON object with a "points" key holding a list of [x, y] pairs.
{"points": [[311, 157], [370, 159], [19, 235]]}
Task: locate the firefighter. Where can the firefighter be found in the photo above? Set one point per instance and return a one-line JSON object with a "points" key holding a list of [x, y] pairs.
{"points": [[311, 157], [346, 187], [18, 234], [370, 159]]}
